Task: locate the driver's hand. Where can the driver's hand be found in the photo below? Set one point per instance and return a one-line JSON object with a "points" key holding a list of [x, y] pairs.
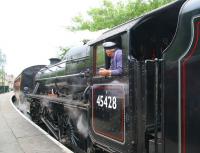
{"points": [[104, 72]]}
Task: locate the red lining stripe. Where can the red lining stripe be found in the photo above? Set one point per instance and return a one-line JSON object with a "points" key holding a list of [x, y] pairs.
{"points": [[183, 91]]}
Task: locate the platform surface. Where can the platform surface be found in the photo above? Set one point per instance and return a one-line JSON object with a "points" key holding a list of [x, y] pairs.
{"points": [[17, 135]]}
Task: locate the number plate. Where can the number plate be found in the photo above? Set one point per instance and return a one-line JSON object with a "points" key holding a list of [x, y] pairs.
{"points": [[108, 111]]}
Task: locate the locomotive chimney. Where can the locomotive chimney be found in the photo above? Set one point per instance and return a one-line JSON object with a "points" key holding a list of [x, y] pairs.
{"points": [[54, 60]]}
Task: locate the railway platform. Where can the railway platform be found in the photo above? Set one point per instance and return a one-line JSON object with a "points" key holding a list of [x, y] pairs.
{"points": [[19, 135]]}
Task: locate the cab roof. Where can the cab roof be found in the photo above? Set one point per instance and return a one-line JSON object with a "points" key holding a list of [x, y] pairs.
{"points": [[134, 22]]}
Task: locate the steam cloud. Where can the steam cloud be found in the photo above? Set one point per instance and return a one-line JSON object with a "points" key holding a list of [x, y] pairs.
{"points": [[82, 126]]}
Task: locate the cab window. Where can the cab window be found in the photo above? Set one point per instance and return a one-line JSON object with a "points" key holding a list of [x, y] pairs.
{"points": [[100, 57]]}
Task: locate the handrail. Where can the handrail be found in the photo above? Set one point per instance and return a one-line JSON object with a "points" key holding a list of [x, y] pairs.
{"points": [[62, 77]]}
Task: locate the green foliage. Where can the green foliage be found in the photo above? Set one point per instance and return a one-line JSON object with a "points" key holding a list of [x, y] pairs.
{"points": [[63, 51], [111, 14], [2, 64], [2, 59]]}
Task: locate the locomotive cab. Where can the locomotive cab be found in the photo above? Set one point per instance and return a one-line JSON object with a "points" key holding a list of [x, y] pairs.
{"points": [[134, 121]]}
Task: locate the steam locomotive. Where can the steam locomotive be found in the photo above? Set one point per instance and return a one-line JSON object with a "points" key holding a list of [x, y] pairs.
{"points": [[151, 108]]}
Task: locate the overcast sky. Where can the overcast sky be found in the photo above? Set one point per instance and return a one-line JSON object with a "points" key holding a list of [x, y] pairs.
{"points": [[31, 31]]}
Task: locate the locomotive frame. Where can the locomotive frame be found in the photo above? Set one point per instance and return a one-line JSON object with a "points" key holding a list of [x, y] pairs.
{"points": [[147, 109]]}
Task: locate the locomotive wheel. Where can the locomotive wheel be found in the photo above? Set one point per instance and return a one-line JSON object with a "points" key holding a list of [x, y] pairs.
{"points": [[35, 112], [70, 131]]}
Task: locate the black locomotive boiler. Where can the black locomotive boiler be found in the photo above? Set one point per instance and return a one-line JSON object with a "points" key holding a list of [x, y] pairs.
{"points": [[151, 108]]}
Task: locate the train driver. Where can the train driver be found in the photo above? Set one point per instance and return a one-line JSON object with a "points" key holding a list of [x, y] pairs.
{"points": [[116, 60]]}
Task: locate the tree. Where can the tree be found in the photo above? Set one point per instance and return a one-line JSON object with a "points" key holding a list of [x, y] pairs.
{"points": [[111, 14], [2, 59], [2, 64], [63, 51]]}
